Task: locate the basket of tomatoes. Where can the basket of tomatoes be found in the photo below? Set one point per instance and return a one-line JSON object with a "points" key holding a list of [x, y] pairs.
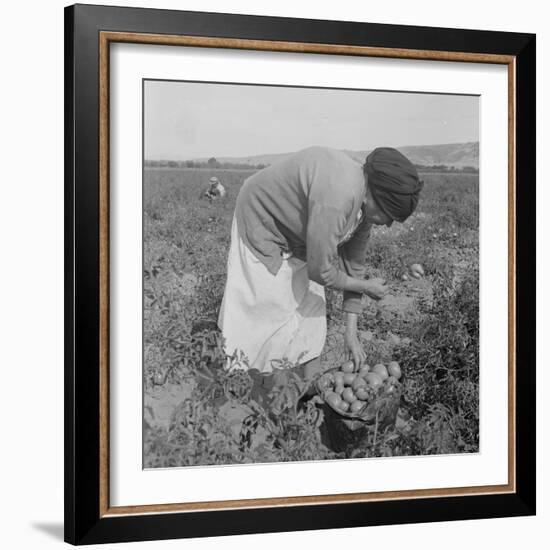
{"points": [[357, 401]]}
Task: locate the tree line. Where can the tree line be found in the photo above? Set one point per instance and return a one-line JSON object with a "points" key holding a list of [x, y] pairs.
{"points": [[444, 168], [213, 163]]}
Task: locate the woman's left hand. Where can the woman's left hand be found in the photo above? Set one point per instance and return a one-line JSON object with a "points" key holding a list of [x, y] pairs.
{"points": [[355, 349]]}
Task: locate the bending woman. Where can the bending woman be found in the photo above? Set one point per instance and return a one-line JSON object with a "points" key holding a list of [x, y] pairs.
{"points": [[301, 225]]}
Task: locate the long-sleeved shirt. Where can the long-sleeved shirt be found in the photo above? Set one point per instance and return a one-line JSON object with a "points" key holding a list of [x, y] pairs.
{"points": [[308, 204]]}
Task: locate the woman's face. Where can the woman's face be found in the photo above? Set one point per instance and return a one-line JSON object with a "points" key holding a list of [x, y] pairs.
{"points": [[373, 214]]}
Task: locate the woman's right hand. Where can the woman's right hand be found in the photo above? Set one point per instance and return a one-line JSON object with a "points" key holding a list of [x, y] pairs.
{"points": [[376, 288], [355, 349]]}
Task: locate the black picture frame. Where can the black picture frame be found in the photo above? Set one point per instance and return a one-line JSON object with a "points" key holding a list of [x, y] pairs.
{"points": [[84, 523]]}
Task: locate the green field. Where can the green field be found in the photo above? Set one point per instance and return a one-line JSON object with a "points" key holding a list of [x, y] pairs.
{"points": [[430, 326]]}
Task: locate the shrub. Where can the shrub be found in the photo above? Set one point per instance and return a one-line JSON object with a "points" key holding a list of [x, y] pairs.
{"points": [[442, 361]]}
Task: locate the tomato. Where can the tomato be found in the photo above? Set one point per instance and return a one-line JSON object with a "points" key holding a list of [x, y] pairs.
{"points": [[339, 389], [362, 393], [380, 370], [344, 406], [333, 400], [348, 395], [364, 370], [339, 378], [416, 269], [356, 406], [358, 382], [349, 378], [347, 367], [374, 380], [158, 379], [394, 369]]}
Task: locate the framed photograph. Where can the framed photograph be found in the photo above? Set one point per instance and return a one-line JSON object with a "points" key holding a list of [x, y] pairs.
{"points": [[300, 274]]}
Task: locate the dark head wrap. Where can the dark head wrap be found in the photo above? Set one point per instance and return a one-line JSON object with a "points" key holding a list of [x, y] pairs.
{"points": [[393, 182]]}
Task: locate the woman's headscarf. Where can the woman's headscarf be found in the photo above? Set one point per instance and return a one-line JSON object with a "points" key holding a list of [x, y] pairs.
{"points": [[393, 181]]}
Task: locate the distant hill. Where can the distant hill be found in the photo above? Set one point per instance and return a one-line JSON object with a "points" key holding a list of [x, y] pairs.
{"points": [[455, 155]]}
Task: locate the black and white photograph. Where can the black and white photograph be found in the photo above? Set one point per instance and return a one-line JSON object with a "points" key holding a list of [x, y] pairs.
{"points": [[310, 273], [275, 275]]}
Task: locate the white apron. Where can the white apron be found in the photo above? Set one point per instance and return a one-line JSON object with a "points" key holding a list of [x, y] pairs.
{"points": [[270, 316]]}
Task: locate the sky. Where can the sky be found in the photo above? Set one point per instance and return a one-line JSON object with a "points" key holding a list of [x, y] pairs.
{"points": [[187, 120]]}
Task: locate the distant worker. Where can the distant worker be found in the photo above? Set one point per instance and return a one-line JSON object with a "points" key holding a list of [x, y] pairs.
{"points": [[215, 190]]}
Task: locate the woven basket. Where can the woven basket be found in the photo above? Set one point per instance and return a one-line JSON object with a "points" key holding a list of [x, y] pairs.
{"points": [[344, 430]]}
